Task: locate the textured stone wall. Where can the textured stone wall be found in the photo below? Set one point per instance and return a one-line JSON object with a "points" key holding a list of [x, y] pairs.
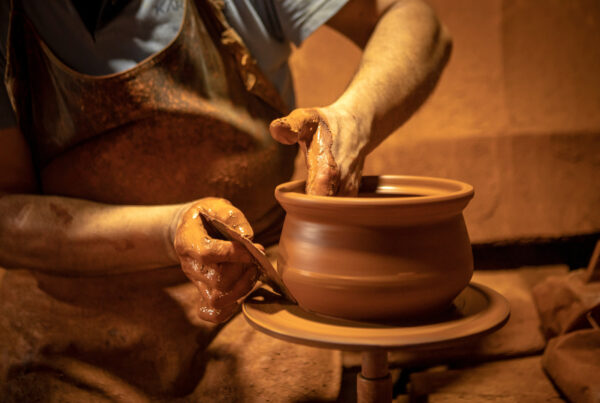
{"points": [[516, 113]]}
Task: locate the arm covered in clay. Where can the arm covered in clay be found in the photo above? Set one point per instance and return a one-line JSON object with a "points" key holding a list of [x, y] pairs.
{"points": [[75, 237], [405, 51]]}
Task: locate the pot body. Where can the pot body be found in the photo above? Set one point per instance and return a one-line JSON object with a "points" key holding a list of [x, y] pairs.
{"points": [[400, 250]]}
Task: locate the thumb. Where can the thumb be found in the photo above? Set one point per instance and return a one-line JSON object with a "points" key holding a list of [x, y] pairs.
{"points": [[300, 125]]}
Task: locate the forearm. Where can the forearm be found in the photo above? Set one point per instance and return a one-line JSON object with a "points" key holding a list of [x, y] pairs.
{"points": [[400, 65], [76, 237]]}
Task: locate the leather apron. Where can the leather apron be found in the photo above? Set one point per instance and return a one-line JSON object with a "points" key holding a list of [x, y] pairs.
{"points": [[190, 121], [136, 337]]}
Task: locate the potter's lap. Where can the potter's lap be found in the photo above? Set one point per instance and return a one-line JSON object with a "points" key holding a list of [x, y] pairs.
{"points": [[63, 345], [141, 328]]}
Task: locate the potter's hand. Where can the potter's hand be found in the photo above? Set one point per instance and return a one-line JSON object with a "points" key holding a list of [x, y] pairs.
{"points": [[333, 144], [405, 49], [222, 270]]}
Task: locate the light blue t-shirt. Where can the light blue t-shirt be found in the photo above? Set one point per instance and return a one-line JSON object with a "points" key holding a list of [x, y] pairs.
{"points": [[145, 27]]}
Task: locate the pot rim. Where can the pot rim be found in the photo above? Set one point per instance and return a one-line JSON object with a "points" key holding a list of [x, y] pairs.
{"points": [[427, 190]]}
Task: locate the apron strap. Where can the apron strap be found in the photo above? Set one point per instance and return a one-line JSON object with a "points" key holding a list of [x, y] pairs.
{"points": [[253, 78]]}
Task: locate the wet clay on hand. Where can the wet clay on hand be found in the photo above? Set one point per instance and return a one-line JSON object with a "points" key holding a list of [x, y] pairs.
{"points": [[223, 271], [309, 128]]}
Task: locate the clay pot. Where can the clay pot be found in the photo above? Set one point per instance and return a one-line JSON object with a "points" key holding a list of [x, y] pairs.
{"points": [[398, 250]]}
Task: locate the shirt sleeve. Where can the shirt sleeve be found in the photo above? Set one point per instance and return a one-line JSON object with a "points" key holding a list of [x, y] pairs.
{"points": [[299, 19]]}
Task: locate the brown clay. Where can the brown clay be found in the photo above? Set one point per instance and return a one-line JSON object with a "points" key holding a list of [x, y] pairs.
{"points": [[401, 255]]}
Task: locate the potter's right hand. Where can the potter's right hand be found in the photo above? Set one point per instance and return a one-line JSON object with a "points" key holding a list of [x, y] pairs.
{"points": [[222, 270], [333, 141]]}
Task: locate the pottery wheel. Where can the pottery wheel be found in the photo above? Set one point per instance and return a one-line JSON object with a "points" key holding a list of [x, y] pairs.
{"points": [[476, 311]]}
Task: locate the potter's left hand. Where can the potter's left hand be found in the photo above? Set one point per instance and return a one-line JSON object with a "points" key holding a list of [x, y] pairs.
{"points": [[333, 143]]}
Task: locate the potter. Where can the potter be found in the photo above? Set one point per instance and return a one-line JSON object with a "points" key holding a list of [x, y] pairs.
{"points": [[113, 287]]}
